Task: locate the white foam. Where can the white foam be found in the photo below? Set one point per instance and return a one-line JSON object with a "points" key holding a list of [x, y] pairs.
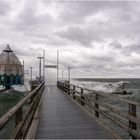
{"points": [[100, 86]]}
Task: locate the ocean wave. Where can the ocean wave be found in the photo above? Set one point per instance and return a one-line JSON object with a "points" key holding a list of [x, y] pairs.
{"points": [[100, 86], [110, 87], [107, 87]]}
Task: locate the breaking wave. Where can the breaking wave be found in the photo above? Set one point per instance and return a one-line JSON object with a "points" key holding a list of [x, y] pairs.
{"points": [[100, 86], [110, 87]]}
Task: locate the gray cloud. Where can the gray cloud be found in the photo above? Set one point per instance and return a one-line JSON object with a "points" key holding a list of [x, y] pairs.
{"points": [[101, 38], [83, 36], [4, 8], [79, 10], [116, 44], [30, 19]]}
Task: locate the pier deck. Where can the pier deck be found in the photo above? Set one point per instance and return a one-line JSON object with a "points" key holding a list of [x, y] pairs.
{"points": [[61, 118]]}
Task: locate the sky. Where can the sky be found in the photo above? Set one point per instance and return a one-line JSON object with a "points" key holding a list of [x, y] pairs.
{"points": [[96, 39]]}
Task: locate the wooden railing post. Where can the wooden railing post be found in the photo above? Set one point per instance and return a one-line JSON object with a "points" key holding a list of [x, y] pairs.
{"points": [[132, 112], [82, 97], [73, 92], [68, 86], [96, 106], [32, 98], [18, 116], [64, 87], [18, 120]]}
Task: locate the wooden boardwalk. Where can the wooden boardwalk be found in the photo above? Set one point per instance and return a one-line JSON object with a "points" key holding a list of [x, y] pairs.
{"points": [[61, 118]]}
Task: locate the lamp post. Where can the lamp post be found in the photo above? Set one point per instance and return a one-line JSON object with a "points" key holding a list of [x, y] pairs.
{"points": [[31, 72], [44, 65], [40, 67], [69, 74], [57, 65], [62, 74], [23, 72]]}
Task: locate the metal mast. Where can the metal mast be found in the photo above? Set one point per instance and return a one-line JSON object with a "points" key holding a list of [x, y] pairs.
{"points": [[40, 67], [31, 72], [44, 65], [69, 74], [57, 65]]}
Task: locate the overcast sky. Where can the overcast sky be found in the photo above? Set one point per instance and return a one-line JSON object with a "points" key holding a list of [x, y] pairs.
{"points": [[95, 38]]}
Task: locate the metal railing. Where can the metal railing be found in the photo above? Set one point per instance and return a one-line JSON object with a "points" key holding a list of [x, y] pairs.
{"points": [[23, 120], [113, 112]]}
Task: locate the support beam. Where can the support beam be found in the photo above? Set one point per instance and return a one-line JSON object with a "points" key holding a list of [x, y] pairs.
{"points": [[31, 73], [44, 65], [40, 68], [69, 74], [57, 65]]}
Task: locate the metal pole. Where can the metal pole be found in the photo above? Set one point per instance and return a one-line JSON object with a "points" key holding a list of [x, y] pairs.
{"points": [[69, 74], [23, 72], [62, 74], [40, 67], [31, 73], [57, 65], [44, 64]]}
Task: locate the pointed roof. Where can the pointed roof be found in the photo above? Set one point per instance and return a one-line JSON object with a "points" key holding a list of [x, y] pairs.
{"points": [[9, 57], [9, 63], [7, 49]]}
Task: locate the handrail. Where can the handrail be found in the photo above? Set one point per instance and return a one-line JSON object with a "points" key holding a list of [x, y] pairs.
{"points": [[15, 110], [12, 111], [109, 111]]}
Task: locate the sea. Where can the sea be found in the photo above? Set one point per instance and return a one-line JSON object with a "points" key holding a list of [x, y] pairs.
{"points": [[109, 85], [106, 85]]}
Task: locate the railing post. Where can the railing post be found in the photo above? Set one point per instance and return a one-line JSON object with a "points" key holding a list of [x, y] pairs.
{"points": [[96, 106], [64, 87], [32, 98], [68, 86], [18, 116], [132, 112], [18, 119], [82, 97], [73, 92]]}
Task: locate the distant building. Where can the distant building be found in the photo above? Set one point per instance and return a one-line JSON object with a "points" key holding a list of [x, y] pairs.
{"points": [[11, 69]]}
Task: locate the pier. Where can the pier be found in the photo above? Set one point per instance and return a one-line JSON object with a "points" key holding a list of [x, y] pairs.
{"points": [[66, 111], [70, 69], [61, 118]]}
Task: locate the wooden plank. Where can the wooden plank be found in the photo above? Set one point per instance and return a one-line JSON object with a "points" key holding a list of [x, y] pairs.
{"points": [[133, 119], [114, 119], [61, 118], [100, 121], [132, 112]]}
